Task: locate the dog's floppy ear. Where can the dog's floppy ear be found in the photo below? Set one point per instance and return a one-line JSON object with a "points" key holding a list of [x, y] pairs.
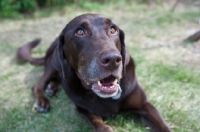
{"points": [[58, 60], [123, 49]]}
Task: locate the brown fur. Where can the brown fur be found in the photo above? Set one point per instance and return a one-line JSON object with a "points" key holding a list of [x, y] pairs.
{"points": [[80, 60]]}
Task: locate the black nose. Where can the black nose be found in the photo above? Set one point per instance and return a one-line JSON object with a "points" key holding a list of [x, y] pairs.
{"points": [[110, 60]]}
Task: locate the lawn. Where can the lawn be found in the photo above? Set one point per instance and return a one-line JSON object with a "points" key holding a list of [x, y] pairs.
{"points": [[168, 69]]}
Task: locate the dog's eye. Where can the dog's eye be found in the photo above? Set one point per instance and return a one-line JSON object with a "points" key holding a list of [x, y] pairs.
{"points": [[113, 30], [80, 32]]}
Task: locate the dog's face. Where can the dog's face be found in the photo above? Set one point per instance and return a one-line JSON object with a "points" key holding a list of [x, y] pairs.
{"points": [[94, 47]]}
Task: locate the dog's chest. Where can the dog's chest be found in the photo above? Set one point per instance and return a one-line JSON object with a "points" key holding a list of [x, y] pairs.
{"points": [[98, 106], [94, 104]]}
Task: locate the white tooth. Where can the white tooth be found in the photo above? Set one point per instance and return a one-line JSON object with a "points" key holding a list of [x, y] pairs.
{"points": [[88, 83], [115, 82], [99, 83]]}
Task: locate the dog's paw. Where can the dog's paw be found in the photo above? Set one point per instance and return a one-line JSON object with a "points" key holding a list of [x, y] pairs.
{"points": [[49, 91], [42, 106], [52, 89]]}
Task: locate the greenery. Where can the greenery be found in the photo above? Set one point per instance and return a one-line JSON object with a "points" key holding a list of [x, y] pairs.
{"points": [[18, 8], [13, 8], [167, 70]]}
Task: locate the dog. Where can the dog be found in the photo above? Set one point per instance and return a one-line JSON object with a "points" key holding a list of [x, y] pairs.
{"points": [[90, 59]]}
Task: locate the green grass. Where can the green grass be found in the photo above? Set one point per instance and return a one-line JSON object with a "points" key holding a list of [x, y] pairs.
{"points": [[170, 79]]}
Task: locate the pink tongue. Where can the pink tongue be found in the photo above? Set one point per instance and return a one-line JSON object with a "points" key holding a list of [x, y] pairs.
{"points": [[107, 81]]}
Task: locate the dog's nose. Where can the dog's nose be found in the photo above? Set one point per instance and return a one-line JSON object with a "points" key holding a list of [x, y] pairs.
{"points": [[110, 60]]}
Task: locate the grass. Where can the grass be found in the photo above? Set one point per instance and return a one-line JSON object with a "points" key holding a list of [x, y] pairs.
{"points": [[168, 71]]}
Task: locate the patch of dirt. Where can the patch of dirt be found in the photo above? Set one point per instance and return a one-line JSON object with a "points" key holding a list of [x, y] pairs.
{"points": [[186, 3], [170, 48], [22, 31], [181, 3]]}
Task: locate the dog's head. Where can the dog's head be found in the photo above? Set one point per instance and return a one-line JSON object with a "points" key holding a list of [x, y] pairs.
{"points": [[94, 47]]}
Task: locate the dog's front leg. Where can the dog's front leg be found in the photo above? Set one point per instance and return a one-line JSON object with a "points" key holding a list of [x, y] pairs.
{"points": [[138, 102], [152, 118], [42, 104], [96, 121]]}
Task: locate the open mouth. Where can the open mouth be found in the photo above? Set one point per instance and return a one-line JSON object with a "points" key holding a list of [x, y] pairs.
{"points": [[107, 87]]}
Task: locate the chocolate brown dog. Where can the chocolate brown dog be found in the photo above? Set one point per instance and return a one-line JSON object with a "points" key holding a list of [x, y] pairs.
{"points": [[89, 58]]}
